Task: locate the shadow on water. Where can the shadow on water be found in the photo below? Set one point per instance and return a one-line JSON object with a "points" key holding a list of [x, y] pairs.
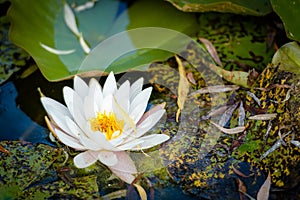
{"points": [[21, 113]]}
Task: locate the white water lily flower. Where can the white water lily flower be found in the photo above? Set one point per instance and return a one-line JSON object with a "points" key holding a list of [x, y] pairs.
{"points": [[105, 122]]}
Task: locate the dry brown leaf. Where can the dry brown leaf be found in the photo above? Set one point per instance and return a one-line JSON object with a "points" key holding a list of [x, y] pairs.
{"points": [[211, 50], [216, 89], [238, 172], [141, 192], [183, 88], [235, 130], [191, 78], [263, 193], [2, 149], [263, 116], [242, 188], [236, 77]]}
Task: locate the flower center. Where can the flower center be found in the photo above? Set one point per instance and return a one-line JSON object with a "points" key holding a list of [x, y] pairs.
{"points": [[108, 124]]}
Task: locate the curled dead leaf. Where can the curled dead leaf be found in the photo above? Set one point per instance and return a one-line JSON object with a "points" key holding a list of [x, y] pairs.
{"points": [[2, 149], [263, 116], [211, 50], [183, 87], [215, 89], [235, 130]]}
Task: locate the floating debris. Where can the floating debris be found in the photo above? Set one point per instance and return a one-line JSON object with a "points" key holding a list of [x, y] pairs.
{"points": [[263, 193], [57, 51], [254, 97], [296, 143], [211, 50], [235, 130], [215, 112], [242, 115], [215, 89], [70, 20], [183, 88], [227, 115], [275, 146], [287, 97], [86, 6], [263, 116]]}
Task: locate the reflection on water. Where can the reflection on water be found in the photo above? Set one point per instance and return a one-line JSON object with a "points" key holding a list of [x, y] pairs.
{"points": [[15, 124]]}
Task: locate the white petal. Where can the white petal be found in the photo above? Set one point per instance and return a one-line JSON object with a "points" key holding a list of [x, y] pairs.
{"points": [[136, 88], [108, 158], [110, 86], [151, 141], [107, 105], [99, 138], [89, 107], [131, 145], [125, 168], [139, 104], [152, 111], [68, 140], [61, 123], [89, 143], [79, 119], [122, 115], [96, 91], [85, 159], [149, 122], [75, 105], [74, 129], [122, 96], [68, 94], [50, 103], [80, 87], [57, 112]]}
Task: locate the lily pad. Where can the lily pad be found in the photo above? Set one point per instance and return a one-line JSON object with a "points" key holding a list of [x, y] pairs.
{"points": [[289, 12], [12, 58], [240, 41], [47, 26], [245, 7], [288, 56], [31, 170]]}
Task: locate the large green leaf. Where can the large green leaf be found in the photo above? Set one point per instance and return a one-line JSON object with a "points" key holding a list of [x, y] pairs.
{"points": [[288, 56], [289, 12], [45, 24], [244, 7]]}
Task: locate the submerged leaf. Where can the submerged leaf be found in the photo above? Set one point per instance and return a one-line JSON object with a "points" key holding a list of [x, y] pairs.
{"points": [[141, 192], [263, 193]]}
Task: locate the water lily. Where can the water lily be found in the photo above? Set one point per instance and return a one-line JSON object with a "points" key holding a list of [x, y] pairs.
{"points": [[105, 122]]}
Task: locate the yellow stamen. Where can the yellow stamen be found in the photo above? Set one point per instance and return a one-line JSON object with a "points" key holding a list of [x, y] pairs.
{"points": [[108, 124]]}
